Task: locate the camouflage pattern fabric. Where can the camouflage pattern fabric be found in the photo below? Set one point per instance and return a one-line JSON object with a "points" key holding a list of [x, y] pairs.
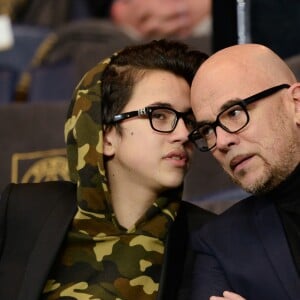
{"points": [[100, 259]]}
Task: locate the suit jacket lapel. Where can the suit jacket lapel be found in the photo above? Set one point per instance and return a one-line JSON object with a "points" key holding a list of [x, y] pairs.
{"points": [[175, 252], [274, 241], [44, 251]]}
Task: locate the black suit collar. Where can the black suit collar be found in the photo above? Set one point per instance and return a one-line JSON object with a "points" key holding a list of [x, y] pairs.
{"points": [[272, 236], [175, 251], [50, 238]]}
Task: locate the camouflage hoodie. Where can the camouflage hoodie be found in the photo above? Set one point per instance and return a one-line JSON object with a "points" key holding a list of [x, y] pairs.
{"points": [[99, 258]]}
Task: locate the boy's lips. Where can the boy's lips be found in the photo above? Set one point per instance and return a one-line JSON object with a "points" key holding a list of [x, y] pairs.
{"points": [[177, 155]]}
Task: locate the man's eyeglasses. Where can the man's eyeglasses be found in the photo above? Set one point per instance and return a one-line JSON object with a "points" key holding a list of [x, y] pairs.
{"points": [[162, 119], [232, 119]]}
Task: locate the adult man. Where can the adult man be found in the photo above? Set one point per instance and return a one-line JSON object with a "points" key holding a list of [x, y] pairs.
{"points": [[247, 105]]}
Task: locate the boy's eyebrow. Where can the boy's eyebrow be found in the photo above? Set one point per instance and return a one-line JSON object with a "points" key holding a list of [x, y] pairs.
{"points": [[168, 105], [158, 103]]}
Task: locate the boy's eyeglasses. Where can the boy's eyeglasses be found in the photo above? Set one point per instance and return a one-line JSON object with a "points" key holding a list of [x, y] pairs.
{"points": [[162, 119]]}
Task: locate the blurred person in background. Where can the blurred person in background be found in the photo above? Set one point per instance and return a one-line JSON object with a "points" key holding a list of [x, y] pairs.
{"points": [[155, 19]]}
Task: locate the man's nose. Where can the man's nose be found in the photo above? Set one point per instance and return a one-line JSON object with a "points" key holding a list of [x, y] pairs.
{"points": [[225, 139]]}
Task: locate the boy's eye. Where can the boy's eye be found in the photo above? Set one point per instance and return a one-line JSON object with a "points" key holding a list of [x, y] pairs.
{"points": [[159, 115]]}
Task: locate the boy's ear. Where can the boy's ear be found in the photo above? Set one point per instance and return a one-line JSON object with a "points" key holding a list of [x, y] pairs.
{"points": [[109, 138]]}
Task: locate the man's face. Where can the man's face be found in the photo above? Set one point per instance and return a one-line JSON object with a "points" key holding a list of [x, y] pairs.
{"points": [[145, 157], [263, 153]]}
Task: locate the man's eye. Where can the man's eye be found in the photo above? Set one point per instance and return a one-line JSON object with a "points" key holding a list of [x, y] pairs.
{"points": [[234, 112]]}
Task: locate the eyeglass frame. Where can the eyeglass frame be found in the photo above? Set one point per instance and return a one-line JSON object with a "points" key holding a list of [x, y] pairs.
{"points": [[147, 112], [243, 104]]}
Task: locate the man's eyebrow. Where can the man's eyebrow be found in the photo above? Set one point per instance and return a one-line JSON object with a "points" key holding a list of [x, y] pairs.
{"points": [[222, 108], [229, 103]]}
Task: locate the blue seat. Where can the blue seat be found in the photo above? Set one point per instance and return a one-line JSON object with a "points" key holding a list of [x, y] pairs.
{"points": [[26, 40], [63, 58], [7, 84], [207, 185], [55, 82], [31, 133], [16, 59]]}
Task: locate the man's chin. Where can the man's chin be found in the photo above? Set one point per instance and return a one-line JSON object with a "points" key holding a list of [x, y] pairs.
{"points": [[258, 186], [252, 183]]}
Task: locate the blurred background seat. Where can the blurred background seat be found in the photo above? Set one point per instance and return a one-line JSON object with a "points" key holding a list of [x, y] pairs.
{"points": [[7, 84], [32, 142], [64, 56], [53, 83], [26, 41], [207, 185], [14, 61]]}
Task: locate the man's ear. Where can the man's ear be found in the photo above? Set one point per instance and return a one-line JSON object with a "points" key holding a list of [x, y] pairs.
{"points": [[109, 140], [295, 91]]}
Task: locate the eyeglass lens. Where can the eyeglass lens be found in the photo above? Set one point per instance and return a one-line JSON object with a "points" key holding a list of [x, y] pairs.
{"points": [[231, 120], [234, 118], [165, 120]]}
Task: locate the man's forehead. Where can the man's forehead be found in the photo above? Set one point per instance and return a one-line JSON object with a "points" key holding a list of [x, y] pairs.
{"points": [[207, 102], [205, 106]]}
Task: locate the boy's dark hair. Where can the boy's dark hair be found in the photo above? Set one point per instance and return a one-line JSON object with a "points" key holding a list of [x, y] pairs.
{"points": [[129, 66]]}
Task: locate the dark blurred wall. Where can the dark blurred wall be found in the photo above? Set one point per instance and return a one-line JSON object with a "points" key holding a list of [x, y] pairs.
{"points": [[274, 23]]}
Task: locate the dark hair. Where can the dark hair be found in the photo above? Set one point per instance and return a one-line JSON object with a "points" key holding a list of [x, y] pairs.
{"points": [[128, 67]]}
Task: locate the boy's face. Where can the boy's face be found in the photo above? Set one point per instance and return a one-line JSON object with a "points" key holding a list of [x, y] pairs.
{"points": [[141, 155]]}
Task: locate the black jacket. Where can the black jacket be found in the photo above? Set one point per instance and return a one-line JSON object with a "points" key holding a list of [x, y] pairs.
{"points": [[34, 219]]}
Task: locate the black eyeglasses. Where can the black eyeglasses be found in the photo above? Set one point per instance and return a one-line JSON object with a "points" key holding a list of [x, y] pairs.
{"points": [[162, 119], [232, 119]]}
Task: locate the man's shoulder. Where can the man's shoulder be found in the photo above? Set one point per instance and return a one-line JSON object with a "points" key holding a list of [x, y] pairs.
{"points": [[196, 215], [235, 219], [240, 209], [195, 209]]}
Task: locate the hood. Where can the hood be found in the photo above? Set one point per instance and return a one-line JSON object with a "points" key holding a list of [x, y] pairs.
{"points": [[84, 141]]}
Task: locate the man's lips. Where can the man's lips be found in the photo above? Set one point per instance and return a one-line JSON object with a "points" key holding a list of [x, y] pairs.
{"points": [[237, 160]]}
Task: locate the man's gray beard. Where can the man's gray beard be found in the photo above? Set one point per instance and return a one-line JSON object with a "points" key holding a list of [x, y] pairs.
{"points": [[270, 180]]}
